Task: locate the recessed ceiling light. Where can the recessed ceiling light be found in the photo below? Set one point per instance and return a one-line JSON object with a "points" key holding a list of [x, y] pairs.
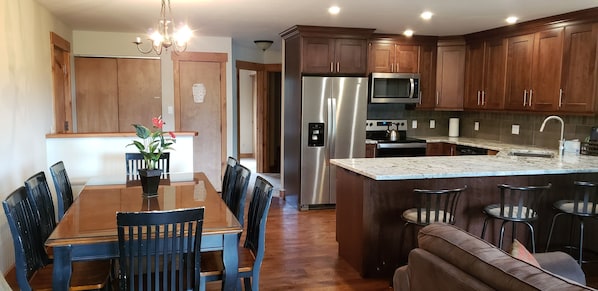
{"points": [[511, 19], [427, 15], [334, 10], [408, 32]]}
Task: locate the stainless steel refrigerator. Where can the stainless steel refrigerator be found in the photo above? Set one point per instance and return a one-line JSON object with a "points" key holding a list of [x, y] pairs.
{"points": [[333, 117]]}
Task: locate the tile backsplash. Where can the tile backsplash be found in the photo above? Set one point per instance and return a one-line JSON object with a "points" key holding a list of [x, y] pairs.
{"points": [[498, 126]]}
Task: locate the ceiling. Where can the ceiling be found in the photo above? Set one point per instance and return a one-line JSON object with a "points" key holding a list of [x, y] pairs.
{"points": [[248, 20]]}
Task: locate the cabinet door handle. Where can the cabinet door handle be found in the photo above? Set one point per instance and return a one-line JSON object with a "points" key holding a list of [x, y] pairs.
{"points": [[531, 94], [478, 98], [392, 67], [338, 67], [483, 98], [420, 97], [331, 67], [436, 97], [560, 97], [524, 97]]}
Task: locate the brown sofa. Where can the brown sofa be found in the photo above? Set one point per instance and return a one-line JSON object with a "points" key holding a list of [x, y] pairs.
{"points": [[448, 258]]}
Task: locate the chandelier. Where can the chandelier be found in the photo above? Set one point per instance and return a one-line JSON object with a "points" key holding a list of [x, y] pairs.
{"points": [[165, 34]]}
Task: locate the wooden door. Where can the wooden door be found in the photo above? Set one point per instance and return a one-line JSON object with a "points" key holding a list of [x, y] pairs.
{"points": [[519, 67], [61, 78], [427, 73], [381, 57], [450, 77], [350, 56], [318, 55], [579, 69], [139, 92], [208, 118], [474, 75], [96, 94], [407, 58], [546, 70], [495, 61]]}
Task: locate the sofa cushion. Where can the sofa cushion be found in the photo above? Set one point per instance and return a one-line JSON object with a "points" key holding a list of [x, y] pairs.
{"points": [[487, 263]]}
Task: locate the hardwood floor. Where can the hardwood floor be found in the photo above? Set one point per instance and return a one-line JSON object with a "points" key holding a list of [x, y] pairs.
{"points": [[302, 253]]}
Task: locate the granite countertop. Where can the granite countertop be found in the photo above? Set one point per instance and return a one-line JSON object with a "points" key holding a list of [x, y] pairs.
{"points": [[505, 163]]}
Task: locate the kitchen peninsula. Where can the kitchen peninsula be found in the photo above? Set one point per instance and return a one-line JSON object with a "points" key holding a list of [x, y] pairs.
{"points": [[373, 193]]}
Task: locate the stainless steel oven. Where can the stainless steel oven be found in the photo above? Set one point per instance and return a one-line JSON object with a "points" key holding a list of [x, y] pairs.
{"points": [[378, 132]]}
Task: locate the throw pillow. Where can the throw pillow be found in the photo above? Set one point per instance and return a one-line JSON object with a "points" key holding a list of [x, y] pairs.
{"points": [[519, 251]]}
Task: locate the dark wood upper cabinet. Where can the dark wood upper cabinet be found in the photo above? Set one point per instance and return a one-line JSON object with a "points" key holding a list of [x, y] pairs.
{"points": [[578, 82], [485, 73], [427, 74], [334, 56], [393, 57], [534, 71], [450, 75]]}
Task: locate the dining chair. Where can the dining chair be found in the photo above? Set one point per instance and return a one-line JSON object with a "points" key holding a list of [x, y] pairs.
{"points": [[517, 204], [64, 190], [160, 250], [229, 178], [251, 254], [236, 201], [42, 203], [582, 203], [135, 161], [33, 268]]}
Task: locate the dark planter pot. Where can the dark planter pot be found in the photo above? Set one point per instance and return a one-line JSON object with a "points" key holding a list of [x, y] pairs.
{"points": [[150, 179]]}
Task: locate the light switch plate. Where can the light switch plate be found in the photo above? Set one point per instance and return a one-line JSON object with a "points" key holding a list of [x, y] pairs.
{"points": [[432, 123], [476, 126], [515, 129], [414, 124]]}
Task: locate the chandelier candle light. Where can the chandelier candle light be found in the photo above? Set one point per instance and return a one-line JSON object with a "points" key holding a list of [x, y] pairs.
{"points": [[165, 35]]}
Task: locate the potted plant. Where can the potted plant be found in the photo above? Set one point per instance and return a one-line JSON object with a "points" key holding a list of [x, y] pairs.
{"points": [[154, 143]]}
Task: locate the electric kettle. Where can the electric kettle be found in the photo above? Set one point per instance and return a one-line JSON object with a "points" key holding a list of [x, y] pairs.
{"points": [[393, 134]]}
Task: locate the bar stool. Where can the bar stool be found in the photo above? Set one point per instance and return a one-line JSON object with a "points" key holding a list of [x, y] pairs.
{"points": [[583, 205], [517, 205], [431, 206]]}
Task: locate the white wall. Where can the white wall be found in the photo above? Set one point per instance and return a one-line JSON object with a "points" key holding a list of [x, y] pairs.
{"points": [[26, 86]]}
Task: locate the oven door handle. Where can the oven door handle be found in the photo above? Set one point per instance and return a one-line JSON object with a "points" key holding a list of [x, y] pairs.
{"points": [[400, 145]]}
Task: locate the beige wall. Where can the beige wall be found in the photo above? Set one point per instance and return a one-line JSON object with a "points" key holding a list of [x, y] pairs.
{"points": [[26, 94]]}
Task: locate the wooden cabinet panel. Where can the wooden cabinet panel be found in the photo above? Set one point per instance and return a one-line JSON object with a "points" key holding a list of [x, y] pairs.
{"points": [[578, 80], [427, 73], [519, 67], [546, 70], [474, 75], [407, 57], [350, 56], [495, 60], [440, 149], [139, 92], [318, 55], [96, 94], [336, 56], [450, 77], [370, 150]]}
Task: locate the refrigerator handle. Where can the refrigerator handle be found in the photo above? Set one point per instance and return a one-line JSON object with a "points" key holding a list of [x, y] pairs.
{"points": [[331, 126]]}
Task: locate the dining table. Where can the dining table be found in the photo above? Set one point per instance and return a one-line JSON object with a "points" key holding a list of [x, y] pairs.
{"points": [[88, 229]]}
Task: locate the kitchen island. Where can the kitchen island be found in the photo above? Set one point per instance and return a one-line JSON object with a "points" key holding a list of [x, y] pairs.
{"points": [[372, 194]]}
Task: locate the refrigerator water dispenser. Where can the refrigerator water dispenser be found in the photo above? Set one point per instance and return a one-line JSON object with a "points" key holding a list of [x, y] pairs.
{"points": [[315, 134]]}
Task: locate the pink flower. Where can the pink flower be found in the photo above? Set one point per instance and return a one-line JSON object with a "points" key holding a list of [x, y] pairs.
{"points": [[171, 134], [158, 122]]}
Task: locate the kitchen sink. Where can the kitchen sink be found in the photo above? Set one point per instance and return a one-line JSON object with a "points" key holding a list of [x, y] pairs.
{"points": [[536, 154]]}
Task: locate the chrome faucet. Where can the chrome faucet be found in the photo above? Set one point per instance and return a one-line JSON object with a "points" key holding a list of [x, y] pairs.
{"points": [[562, 140]]}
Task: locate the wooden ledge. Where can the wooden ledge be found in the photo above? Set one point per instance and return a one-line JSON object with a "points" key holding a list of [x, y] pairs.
{"points": [[110, 134]]}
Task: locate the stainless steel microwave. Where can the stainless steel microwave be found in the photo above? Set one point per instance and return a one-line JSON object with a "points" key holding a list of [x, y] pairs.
{"points": [[394, 88]]}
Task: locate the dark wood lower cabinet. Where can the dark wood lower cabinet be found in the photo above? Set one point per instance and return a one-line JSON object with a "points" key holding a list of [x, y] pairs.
{"points": [[369, 225]]}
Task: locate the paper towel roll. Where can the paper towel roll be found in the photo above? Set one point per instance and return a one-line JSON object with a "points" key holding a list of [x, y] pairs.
{"points": [[454, 127]]}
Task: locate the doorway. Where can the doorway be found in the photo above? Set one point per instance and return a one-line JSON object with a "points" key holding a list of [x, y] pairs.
{"points": [[259, 100]]}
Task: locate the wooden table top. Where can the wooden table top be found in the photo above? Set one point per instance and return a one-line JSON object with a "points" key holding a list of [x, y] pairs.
{"points": [[92, 217]]}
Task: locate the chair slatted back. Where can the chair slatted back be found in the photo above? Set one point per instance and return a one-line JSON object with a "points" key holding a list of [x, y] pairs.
{"points": [[521, 203], [41, 200], [259, 206], [236, 202], [135, 161], [160, 250], [585, 198], [228, 181], [30, 254], [437, 205], [64, 190]]}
